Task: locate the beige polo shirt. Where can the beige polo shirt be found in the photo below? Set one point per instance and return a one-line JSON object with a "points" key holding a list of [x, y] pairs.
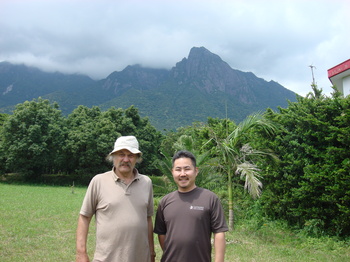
{"points": [[121, 213]]}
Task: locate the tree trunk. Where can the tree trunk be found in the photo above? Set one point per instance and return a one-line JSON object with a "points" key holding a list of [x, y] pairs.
{"points": [[230, 202]]}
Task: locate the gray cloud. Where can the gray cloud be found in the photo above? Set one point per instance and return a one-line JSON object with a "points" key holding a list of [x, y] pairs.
{"points": [[276, 40]]}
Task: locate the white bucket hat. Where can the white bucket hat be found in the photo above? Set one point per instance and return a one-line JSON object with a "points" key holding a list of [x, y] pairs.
{"points": [[127, 142]]}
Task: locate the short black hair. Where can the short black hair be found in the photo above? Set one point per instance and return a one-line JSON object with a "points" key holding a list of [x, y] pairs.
{"points": [[184, 154]]}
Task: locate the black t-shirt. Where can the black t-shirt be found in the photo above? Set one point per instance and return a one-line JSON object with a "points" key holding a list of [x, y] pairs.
{"points": [[187, 220]]}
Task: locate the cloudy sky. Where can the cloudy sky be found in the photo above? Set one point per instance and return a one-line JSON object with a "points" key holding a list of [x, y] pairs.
{"points": [[275, 39]]}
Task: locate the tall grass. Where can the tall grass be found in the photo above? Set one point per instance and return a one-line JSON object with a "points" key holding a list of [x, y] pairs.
{"points": [[38, 223]]}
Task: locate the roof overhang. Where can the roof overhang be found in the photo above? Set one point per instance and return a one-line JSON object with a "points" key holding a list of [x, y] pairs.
{"points": [[337, 73]]}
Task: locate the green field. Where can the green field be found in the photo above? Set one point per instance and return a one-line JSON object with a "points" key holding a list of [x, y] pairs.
{"points": [[37, 223]]}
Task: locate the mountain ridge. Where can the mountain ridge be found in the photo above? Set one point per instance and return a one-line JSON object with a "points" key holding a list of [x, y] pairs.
{"points": [[199, 86]]}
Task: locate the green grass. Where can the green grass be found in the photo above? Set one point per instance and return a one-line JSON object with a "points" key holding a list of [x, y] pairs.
{"points": [[38, 223], [273, 242]]}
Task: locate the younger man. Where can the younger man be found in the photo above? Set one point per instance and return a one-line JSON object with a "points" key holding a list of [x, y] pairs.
{"points": [[186, 218]]}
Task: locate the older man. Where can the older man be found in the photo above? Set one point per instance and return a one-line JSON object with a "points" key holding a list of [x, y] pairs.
{"points": [[122, 202]]}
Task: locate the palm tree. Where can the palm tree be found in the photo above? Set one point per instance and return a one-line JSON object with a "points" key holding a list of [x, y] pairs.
{"points": [[236, 157]]}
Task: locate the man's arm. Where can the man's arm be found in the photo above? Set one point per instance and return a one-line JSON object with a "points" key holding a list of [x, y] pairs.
{"points": [[151, 239], [82, 233], [161, 239], [219, 246]]}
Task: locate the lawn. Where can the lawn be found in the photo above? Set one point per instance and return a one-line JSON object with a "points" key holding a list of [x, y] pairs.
{"points": [[38, 223]]}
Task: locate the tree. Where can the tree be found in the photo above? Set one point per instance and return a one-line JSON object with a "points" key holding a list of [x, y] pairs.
{"points": [[149, 139], [32, 138], [3, 118], [92, 134], [236, 156], [90, 137], [311, 185]]}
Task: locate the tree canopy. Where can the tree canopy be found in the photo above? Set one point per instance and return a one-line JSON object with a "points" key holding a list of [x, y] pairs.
{"points": [[32, 138], [311, 185], [36, 139]]}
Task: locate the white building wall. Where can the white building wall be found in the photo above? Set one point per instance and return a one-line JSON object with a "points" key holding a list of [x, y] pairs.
{"points": [[346, 86]]}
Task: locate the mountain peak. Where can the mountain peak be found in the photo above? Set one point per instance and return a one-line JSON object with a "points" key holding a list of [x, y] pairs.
{"points": [[208, 72], [203, 54], [199, 62]]}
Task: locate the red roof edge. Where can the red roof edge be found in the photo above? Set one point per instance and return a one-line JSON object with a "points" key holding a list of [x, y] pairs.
{"points": [[339, 68]]}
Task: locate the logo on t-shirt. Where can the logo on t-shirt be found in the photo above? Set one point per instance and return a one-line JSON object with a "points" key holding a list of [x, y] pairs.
{"points": [[196, 207]]}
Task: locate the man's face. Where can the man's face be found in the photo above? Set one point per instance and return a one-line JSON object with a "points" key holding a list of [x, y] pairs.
{"points": [[124, 161], [184, 174]]}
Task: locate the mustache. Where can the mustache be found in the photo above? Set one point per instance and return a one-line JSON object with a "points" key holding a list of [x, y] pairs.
{"points": [[124, 164]]}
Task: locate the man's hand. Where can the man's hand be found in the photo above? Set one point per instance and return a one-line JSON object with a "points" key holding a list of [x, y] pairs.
{"points": [[82, 257], [153, 256]]}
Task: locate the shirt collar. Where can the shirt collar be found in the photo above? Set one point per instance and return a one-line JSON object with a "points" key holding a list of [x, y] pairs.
{"points": [[116, 178]]}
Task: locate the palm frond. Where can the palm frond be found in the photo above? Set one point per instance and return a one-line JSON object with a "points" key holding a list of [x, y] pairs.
{"points": [[256, 120], [250, 173], [184, 142], [247, 152]]}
